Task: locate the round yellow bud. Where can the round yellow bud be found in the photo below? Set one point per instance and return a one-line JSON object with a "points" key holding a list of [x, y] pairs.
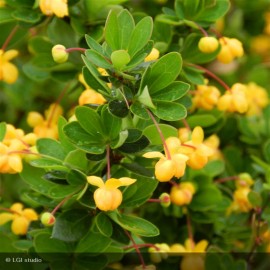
{"points": [[208, 44], [34, 119], [59, 53], [47, 219]]}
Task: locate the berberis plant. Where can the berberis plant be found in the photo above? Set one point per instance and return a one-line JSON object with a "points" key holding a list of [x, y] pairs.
{"points": [[134, 134]]}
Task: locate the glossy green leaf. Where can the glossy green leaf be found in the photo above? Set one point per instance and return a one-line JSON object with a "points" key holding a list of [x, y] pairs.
{"points": [[62, 191], [98, 59], [76, 178], [145, 99], [172, 92], [83, 140], [6, 15], [3, 129], [76, 159], [93, 44], [89, 120], [50, 148], [112, 31], [134, 224], [71, 225], [93, 243], [140, 35], [145, 186], [136, 146], [192, 75], [162, 73], [118, 108], [48, 163], [139, 110], [126, 26], [26, 15], [104, 224], [112, 124], [169, 111], [152, 134], [214, 168]]}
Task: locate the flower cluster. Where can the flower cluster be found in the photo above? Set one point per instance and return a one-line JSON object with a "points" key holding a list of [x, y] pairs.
{"points": [[240, 196], [108, 197], [21, 218], [206, 96], [231, 48], [54, 7], [46, 127], [13, 148], [234, 100], [8, 71]]}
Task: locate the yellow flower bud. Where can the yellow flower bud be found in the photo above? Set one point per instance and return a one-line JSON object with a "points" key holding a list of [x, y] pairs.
{"points": [[208, 44], [59, 53], [153, 55], [34, 119]]}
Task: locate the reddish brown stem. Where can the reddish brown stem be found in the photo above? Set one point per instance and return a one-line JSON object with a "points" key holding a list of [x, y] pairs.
{"points": [[142, 246], [173, 183], [155, 200], [9, 210], [10, 36], [61, 203], [190, 235], [75, 49], [226, 179], [211, 74], [202, 30], [187, 145], [186, 124], [136, 248], [167, 152]]}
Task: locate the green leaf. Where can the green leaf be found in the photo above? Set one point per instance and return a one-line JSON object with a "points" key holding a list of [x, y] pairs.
{"points": [[169, 111], [76, 178], [62, 191], [93, 243], [51, 249], [83, 140], [71, 225], [89, 120], [48, 163], [134, 224], [255, 198], [97, 59], [266, 150], [76, 159], [140, 35], [134, 147], [151, 133], [26, 15], [6, 16], [34, 178], [203, 120], [118, 108], [112, 125], [145, 98], [162, 73], [208, 197], [112, 30], [50, 148], [3, 129], [145, 186], [91, 76], [104, 224], [193, 75], [214, 168], [172, 92], [213, 262], [126, 26], [93, 44], [139, 110], [39, 44], [119, 141]]}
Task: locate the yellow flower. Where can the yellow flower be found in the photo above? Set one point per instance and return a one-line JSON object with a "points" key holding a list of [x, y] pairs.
{"points": [[194, 257], [8, 71], [234, 100], [20, 217], [2, 3], [213, 142], [108, 197], [153, 55], [182, 194], [56, 7], [196, 150], [171, 164]]}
